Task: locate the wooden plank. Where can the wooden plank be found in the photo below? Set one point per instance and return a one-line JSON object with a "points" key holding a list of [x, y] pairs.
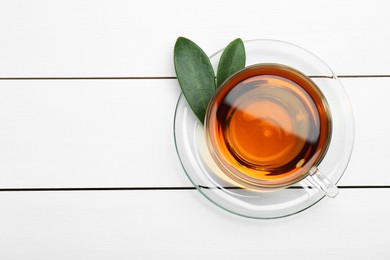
{"points": [[119, 133], [88, 133], [136, 38], [121, 225], [369, 158]]}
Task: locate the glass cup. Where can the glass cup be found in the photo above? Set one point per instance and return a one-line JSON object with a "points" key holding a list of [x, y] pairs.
{"points": [[268, 127]]}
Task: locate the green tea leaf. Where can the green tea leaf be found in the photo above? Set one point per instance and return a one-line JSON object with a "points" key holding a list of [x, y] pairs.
{"points": [[231, 61], [195, 75]]}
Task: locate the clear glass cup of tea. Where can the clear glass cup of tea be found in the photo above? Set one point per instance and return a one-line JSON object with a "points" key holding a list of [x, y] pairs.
{"points": [[277, 137], [267, 127]]}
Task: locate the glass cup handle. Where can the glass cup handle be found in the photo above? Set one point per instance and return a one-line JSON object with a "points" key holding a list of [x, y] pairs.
{"points": [[321, 182]]}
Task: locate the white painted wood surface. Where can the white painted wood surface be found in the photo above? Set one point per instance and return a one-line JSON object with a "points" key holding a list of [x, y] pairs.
{"points": [[136, 38], [118, 133], [91, 133], [179, 224]]}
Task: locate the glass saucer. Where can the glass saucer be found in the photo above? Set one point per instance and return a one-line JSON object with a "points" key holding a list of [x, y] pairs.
{"points": [[203, 172]]}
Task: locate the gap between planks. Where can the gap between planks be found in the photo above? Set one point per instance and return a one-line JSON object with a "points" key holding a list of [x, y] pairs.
{"points": [[170, 188], [163, 77]]}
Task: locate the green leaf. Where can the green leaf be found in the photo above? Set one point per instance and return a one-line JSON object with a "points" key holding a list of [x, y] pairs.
{"points": [[231, 61], [195, 75]]}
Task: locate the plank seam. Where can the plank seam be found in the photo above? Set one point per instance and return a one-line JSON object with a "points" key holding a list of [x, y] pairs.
{"points": [[166, 188], [165, 77]]}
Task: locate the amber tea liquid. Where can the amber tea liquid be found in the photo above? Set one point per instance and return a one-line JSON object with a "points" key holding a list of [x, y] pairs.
{"points": [[267, 126]]}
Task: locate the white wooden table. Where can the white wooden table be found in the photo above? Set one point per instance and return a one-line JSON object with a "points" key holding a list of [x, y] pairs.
{"points": [[86, 108]]}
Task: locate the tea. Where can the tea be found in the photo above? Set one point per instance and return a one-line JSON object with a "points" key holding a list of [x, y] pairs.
{"points": [[268, 125]]}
